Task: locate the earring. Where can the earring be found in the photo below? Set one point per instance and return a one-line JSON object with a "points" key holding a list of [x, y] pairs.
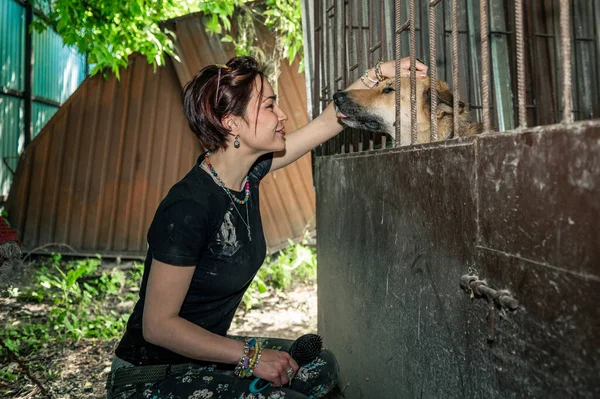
{"points": [[236, 142]]}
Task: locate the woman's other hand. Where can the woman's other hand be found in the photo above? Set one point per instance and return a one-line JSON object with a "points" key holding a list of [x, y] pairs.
{"points": [[275, 366]]}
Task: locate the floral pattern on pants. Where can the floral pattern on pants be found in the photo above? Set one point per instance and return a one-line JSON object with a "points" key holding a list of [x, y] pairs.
{"points": [[313, 381]]}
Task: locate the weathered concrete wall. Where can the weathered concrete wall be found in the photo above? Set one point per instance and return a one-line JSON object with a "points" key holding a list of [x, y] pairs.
{"points": [[397, 230]]}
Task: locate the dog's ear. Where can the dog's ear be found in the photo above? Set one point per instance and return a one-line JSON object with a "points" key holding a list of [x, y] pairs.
{"points": [[445, 100], [445, 96]]}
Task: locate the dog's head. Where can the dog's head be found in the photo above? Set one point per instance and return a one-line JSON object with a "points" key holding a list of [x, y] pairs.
{"points": [[375, 110]]}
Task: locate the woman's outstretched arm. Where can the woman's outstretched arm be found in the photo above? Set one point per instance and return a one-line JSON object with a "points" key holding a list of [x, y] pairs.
{"points": [[326, 125]]}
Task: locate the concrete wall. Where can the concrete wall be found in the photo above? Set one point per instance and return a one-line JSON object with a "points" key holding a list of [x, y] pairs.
{"points": [[397, 230]]}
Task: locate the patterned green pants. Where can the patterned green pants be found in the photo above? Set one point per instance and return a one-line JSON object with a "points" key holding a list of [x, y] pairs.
{"points": [[313, 381]]}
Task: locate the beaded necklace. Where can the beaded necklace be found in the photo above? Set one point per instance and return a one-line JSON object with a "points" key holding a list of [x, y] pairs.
{"points": [[232, 197], [214, 173]]}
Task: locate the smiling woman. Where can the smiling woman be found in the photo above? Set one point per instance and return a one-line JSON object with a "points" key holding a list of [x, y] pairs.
{"points": [[206, 244]]}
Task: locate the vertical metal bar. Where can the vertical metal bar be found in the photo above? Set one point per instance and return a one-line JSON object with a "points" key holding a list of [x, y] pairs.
{"points": [[382, 49], [332, 14], [565, 38], [521, 96], [370, 58], [596, 25], [350, 39], [433, 69], [455, 82], [361, 37], [28, 84], [399, 29], [413, 74], [317, 61], [485, 65], [371, 31], [344, 64], [398, 140], [473, 16], [361, 48], [382, 30]]}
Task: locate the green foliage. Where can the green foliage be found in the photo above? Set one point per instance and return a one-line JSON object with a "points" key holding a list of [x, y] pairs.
{"points": [[295, 264], [74, 294], [219, 13], [79, 298], [285, 18], [109, 31]]}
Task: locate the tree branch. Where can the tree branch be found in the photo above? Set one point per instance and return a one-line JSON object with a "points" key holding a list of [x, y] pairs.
{"points": [[25, 369]]}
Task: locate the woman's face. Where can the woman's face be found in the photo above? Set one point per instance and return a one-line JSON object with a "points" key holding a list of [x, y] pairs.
{"points": [[263, 131]]}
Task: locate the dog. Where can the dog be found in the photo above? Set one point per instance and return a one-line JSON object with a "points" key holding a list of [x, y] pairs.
{"points": [[375, 110]]}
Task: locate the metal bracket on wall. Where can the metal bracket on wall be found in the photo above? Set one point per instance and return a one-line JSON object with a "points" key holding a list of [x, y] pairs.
{"points": [[502, 298]]}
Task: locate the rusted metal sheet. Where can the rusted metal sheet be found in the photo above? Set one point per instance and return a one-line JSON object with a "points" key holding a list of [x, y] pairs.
{"points": [[95, 175], [520, 210]]}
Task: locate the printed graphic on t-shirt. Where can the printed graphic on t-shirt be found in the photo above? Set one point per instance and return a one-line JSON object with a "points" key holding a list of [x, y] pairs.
{"points": [[227, 242]]}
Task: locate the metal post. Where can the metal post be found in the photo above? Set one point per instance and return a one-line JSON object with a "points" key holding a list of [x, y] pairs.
{"points": [[521, 96], [433, 69], [485, 65], [413, 74], [455, 83], [565, 38], [27, 94], [399, 29]]}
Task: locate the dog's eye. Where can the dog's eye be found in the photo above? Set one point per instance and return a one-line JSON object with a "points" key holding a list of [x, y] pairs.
{"points": [[388, 89]]}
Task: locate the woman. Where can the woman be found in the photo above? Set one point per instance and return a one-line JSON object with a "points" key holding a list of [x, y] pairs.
{"points": [[206, 243]]}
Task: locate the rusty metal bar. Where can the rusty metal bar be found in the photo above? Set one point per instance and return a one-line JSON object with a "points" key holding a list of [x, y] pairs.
{"points": [[334, 49], [485, 64], [336, 78], [565, 38], [371, 31], [521, 95], [400, 27], [455, 82], [480, 288], [369, 57], [382, 50], [359, 61], [433, 69], [351, 41], [382, 29], [413, 74]]}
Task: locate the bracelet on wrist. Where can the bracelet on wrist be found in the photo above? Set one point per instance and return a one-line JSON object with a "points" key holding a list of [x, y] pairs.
{"points": [[250, 357], [366, 76], [378, 74]]}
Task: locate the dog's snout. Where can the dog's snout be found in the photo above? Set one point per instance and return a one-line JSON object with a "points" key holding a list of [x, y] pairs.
{"points": [[340, 97]]}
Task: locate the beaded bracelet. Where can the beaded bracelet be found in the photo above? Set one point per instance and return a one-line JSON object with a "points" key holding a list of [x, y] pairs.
{"points": [[378, 73], [240, 365], [249, 359], [366, 75]]}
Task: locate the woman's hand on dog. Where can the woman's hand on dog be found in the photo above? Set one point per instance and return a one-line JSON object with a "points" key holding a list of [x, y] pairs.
{"points": [[388, 68]]}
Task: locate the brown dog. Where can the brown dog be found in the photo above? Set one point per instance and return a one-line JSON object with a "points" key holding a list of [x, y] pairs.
{"points": [[375, 110]]}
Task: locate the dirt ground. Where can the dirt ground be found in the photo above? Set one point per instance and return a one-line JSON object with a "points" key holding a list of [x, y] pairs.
{"points": [[80, 368]]}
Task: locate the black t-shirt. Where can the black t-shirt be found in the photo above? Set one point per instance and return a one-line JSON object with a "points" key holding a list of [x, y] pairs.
{"points": [[197, 225]]}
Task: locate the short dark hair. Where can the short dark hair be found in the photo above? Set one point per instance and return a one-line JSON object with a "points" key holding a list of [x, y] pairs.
{"points": [[204, 106]]}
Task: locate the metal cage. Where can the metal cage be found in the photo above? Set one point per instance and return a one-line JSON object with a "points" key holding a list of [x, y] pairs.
{"points": [[514, 63]]}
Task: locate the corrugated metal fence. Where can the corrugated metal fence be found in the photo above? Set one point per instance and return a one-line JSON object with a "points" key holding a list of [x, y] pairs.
{"points": [[93, 178], [54, 72]]}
